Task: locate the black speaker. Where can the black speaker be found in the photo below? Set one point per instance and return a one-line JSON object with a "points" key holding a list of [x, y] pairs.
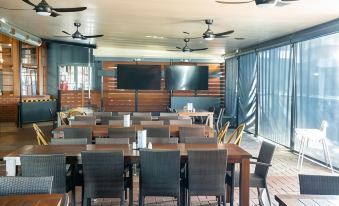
{"points": [[258, 2]]}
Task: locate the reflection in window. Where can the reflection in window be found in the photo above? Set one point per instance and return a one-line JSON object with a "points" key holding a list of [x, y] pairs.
{"points": [[29, 81], [73, 77]]}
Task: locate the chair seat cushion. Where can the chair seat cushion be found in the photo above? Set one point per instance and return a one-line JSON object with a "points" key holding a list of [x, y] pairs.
{"points": [[255, 180]]}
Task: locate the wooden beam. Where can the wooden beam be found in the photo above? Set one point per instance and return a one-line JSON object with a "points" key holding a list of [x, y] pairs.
{"points": [[16, 66]]}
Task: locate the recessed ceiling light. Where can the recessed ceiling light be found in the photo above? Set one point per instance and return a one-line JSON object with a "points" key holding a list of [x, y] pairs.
{"points": [[155, 37], [3, 20]]}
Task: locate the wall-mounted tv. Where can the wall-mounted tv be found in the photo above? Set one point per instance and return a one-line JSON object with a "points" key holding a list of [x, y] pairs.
{"points": [[183, 77], [144, 77]]}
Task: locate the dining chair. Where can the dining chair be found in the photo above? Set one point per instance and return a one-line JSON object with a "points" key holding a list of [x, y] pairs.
{"points": [[200, 140], [161, 140], [50, 165], [102, 114], [158, 131], [159, 122], [218, 119], [319, 184], [75, 141], [138, 119], [90, 119], [124, 132], [141, 114], [222, 132], [258, 178], [81, 122], [76, 133], [104, 175], [105, 119], [112, 141], [116, 123], [168, 114], [236, 136], [25, 185], [159, 174], [62, 117], [167, 119], [198, 131], [123, 113], [40, 136], [206, 174], [181, 122]]}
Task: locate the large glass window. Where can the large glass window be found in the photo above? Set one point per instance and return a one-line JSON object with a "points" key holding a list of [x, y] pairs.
{"points": [[74, 77], [29, 70]]}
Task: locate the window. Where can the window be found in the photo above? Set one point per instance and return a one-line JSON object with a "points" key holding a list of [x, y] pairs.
{"points": [[74, 77], [29, 81]]}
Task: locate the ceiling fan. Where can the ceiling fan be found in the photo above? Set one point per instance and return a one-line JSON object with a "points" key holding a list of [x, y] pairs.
{"points": [[78, 36], [186, 48], [44, 9], [260, 2], [209, 35]]}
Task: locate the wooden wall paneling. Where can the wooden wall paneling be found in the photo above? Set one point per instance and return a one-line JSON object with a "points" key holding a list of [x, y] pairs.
{"points": [[16, 66]]}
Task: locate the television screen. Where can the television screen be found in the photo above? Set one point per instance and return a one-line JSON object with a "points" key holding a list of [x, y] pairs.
{"points": [[145, 77], [182, 77]]}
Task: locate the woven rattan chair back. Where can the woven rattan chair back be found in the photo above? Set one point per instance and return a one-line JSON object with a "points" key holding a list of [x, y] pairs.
{"points": [[161, 140], [45, 166], [76, 133], [181, 122], [161, 131], [103, 174], [25, 185], [167, 119], [40, 135], [222, 132], [125, 132], [319, 184], [159, 122], [265, 156], [200, 140], [105, 119], [236, 136], [138, 119], [206, 172], [75, 141], [112, 141]]}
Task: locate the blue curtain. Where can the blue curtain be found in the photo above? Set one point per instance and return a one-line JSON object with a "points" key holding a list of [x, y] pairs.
{"points": [[274, 94], [247, 91], [317, 93], [231, 83]]}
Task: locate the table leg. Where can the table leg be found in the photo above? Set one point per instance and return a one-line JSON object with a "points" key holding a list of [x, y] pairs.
{"points": [[244, 196], [10, 166]]}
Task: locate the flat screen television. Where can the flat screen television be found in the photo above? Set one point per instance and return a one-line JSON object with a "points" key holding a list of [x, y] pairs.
{"points": [[144, 77], [183, 77]]}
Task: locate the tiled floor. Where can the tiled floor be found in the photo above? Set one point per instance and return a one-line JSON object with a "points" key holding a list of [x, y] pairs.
{"points": [[282, 178]]}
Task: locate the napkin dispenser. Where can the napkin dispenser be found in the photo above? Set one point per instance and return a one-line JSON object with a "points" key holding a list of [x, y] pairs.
{"points": [[127, 120], [142, 139]]}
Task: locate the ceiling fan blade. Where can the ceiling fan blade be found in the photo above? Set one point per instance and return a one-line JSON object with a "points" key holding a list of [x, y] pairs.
{"points": [[75, 9], [173, 50], [94, 36], [178, 47], [234, 2], [239, 38], [65, 32], [224, 33], [28, 2], [54, 14], [220, 37], [202, 49], [62, 36]]}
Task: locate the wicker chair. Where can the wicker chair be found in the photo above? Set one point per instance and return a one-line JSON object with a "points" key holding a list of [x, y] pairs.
{"points": [[218, 119], [236, 136], [181, 122], [161, 131], [103, 175], [200, 140], [102, 114], [112, 141], [167, 119], [258, 178], [105, 119], [159, 122], [191, 132], [206, 174], [159, 174], [142, 114], [168, 114], [161, 140], [123, 113], [138, 119], [76, 133], [126, 132], [75, 141], [222, 132], [319, 184], [119, 123], [25, 185], [50, 165], [40, 135]]}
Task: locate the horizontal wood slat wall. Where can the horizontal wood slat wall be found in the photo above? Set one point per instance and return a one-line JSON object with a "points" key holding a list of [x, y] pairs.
{"points": [[73, 99], [155, 100]]}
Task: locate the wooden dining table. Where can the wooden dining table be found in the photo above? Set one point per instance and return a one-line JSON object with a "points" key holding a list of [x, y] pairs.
{"points": [[307, 200], [102, 130], [32, 200], [235, 154], [199, 113]]}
